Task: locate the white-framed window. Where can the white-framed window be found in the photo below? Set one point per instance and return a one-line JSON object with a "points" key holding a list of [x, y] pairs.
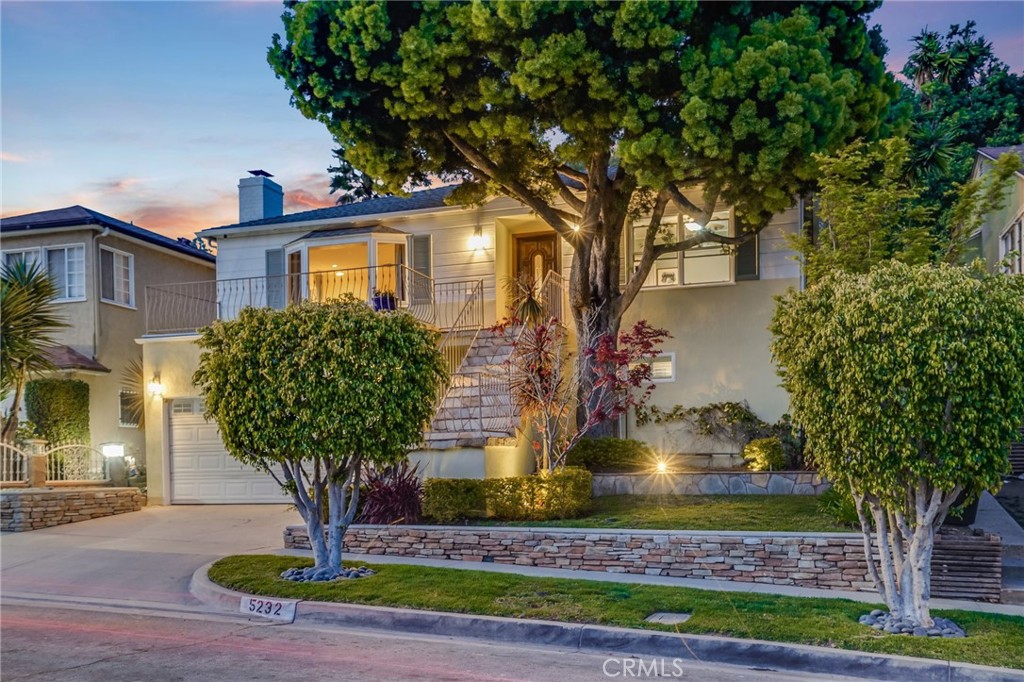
{"points": [[1012, 242], [66, 267], [127, 408], [117, 277], [29, 256], [663, 368], [708, 263]]}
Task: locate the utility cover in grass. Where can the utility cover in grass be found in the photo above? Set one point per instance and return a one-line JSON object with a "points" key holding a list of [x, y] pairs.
{"points": [[666, 618]]}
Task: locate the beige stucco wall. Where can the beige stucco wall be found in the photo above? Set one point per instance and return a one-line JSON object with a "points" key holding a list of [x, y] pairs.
{"points": [[720, 339], [175, 359], [80, 315], [997, 222], [107, 331]]}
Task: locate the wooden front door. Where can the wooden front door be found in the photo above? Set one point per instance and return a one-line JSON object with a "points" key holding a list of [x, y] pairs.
{"points": [[535, 255]]}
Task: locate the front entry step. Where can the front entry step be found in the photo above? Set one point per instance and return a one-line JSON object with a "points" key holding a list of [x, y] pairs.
{"points": [[478, 404]]}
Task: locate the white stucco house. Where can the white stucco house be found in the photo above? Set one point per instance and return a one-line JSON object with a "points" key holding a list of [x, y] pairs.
{"points": [[448, 265]]}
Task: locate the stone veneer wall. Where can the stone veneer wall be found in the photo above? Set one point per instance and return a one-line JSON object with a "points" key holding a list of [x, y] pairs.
{"points": [[712, 483], [821, 560], [24, 509]]}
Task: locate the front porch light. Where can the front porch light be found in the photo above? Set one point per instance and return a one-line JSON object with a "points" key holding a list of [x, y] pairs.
{"points": [[112, 449], [478, 241], [155, 387]]}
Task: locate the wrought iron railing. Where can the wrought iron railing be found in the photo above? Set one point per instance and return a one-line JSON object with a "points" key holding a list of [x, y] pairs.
{"points": [[13, 464], [464, 329], [75, 463], [553, 297], [182, 308]]}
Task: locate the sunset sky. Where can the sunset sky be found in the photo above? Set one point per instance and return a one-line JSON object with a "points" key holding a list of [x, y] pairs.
{"points": [[151, 111]]}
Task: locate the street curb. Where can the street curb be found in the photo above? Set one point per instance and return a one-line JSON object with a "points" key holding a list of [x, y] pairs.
{"points": [[624, 642]]}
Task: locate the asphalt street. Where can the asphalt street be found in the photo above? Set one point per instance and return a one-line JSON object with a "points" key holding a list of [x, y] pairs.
{"points": [[64, 644]]}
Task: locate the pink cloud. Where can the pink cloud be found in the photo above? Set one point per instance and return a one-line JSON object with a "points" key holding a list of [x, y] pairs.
{"points": [[12, 158]]}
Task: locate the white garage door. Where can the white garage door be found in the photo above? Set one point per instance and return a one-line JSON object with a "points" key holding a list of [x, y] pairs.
{"points": [[202, 472]]}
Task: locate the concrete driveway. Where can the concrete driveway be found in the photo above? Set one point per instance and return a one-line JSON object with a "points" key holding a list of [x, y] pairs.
{"points": [[144, 556]]}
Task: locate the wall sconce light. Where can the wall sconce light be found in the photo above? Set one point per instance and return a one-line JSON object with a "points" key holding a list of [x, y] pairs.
{"points": [[112, 449], [478, 241], [661, 467], [691, 224], [155, 388], [575, 227]]}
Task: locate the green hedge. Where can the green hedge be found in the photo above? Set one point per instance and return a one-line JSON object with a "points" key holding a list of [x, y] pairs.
{"points": [[565, 494], [611, 455], [59, 408], [454, 499]]}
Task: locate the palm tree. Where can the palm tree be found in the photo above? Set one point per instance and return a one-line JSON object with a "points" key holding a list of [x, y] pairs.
{"points": [[28, 321]]}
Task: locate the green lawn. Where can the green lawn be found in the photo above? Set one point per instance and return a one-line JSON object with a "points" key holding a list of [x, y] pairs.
{"points": [[992, 639], [700, 512]]}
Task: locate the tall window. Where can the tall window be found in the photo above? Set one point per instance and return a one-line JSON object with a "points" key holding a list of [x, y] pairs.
{"points": [[708, 263], [1011, 244], [66, 267], [117, 277]]}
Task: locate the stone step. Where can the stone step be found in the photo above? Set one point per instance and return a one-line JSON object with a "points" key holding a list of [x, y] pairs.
{"points": [[1013, 568]]}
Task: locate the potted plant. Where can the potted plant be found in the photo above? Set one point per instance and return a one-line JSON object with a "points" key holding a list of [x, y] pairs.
{"points": [[384, 299]]}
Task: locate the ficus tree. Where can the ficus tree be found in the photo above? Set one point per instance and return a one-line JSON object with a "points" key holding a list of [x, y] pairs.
{"points": [[909, 382], [29, 324], [312, 392], [592, 114]]}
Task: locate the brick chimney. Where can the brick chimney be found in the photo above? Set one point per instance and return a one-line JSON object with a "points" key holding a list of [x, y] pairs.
{"points": [[259, 197]]}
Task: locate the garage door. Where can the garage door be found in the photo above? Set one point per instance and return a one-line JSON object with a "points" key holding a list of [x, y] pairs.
{"points": [[202, 472]]}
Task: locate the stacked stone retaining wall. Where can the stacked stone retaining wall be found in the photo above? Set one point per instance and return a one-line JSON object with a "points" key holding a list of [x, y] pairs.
{"points": [[24, 509], [820, 560], [711, 483]]}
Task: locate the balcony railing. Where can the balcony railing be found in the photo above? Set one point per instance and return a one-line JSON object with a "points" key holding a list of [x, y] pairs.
{"points": [[182, 308]]}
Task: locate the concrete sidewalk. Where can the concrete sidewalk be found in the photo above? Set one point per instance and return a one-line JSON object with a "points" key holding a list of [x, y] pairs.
{"points": [[640, 579]]}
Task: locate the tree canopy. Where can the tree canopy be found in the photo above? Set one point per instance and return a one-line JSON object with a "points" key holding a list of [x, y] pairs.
{"points": [[961, 97], [629, 103], [311, 392]]}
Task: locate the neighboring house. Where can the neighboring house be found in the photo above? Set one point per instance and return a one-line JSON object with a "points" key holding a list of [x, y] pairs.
{"points": [[1001, 236], [1000, 241], [101, 267], [449, 266]]}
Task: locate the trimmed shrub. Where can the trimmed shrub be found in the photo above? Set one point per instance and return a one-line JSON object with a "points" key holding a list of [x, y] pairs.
{"points": [[392, 495], [568, 493], [453, 499], [615, 455], [765, 454], [59, 408], [540, 497]]}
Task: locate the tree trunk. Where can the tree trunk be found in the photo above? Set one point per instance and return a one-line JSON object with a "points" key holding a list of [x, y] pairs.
{"points": [[594, 296], [317, 541], [335, 527], [10, 431]]}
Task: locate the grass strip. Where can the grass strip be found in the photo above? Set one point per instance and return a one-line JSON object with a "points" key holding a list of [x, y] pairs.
{"points": [[790, 513], [993, 639]]}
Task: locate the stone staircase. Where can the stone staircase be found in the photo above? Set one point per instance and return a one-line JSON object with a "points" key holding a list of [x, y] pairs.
{"points": [[477, 405]]}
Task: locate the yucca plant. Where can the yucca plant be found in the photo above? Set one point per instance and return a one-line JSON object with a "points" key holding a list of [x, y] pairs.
{"points": [[28, 322]]}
